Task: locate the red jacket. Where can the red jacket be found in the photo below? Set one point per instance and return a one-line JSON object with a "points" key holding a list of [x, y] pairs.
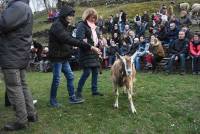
{"points": [[194, 49]]}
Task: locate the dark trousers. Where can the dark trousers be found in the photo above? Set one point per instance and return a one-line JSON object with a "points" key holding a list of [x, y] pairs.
{"points": [[18, 94], [195, 64], [155, 60], [7, 101]]}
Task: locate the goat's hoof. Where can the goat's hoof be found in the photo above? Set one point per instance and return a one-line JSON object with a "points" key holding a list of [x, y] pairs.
{"points": [[134, 112], [115, 106]]}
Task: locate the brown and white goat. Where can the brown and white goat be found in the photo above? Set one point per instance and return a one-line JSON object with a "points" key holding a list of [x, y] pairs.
{"points": [[123, 76]]}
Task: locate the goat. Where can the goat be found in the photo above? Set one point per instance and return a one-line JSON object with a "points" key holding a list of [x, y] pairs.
{"points": [[123, 75]]}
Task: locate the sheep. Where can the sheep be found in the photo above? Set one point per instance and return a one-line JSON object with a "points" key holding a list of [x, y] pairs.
{"points": [[194, 5], [185, 6]]}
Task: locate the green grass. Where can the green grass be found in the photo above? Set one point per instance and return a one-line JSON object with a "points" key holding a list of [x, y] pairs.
{"points": [[165, 105]]}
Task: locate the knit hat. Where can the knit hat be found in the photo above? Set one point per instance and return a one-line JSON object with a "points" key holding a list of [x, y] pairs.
{"points": [[67, 11]]}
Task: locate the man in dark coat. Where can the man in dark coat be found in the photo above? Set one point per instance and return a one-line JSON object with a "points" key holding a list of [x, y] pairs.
{"points": [[15, 42], [61, 43]]}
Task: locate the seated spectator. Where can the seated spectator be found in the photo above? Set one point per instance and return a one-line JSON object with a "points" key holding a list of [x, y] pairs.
{"points": [[194, 49], [173, 19], [117, 39], [188, 34], [124, 48], [172, 33], [44, 63], [134, 47], [103, 46], [141, 52], [111, 52], [177, 53], [156, 51], [130, 38], [116, 30], [162, 34], [126, 29], [185, 19]]}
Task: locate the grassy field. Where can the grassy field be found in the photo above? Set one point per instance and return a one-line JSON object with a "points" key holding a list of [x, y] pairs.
{"points": [[165, 105]]}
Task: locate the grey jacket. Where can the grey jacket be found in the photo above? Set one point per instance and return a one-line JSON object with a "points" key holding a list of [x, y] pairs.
{"points": [[15, 35]]}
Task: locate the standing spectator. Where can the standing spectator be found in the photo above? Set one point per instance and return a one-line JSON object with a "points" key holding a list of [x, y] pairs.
{"points": [[145, 19], [116, 19], [140, 29], [110, 24], [177, 53], [44, 60], [122, 21], [61, 43], [142, 51], [101, 24], [15, 43], [194, 49], [89, 61]]}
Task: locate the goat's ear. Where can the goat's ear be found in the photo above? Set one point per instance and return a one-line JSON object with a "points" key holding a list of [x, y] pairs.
{"points": [[118, 56]]}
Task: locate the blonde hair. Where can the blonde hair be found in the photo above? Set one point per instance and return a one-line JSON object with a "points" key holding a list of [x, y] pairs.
{"points": [[89, 12]]}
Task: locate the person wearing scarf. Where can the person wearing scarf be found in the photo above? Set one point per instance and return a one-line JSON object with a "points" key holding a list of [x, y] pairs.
{"points": [[89, 61]]}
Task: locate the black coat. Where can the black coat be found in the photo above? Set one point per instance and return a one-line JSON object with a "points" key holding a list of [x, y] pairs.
{"points": [[15, 35], [87, 57], [61, 42]]}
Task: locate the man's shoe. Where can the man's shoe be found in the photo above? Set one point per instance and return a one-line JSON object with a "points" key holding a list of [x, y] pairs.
{"points": [[75, 100], [54, 103], [79, 95], [15, 126], [33, 118], [97, 94]]}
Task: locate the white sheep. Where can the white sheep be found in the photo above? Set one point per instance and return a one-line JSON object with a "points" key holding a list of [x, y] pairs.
{"points": [[185, 6], [195, 5], [196, 11]]}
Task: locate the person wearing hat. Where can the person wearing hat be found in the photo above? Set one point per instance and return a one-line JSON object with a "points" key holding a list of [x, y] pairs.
{"points": [[16, 23], [61, 43]]}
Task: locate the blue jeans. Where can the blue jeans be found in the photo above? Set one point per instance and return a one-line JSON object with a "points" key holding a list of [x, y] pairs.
{"points": [[137, 63], [195, 64], [111, 60], [171, 62], [66, 69], [85, 75], [121, 26]]}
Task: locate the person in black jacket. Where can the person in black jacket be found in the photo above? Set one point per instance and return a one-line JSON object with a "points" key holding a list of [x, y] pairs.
{"points": [[61, 43], [177, 52], [89, 61], [15, 42]]}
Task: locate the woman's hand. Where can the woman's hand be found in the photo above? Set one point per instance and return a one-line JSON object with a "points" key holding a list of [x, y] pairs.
{"points": [[96, 50]]}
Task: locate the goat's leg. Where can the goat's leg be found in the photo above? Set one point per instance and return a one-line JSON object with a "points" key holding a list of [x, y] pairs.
{"points": [[133, 110], [116, 104]]}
